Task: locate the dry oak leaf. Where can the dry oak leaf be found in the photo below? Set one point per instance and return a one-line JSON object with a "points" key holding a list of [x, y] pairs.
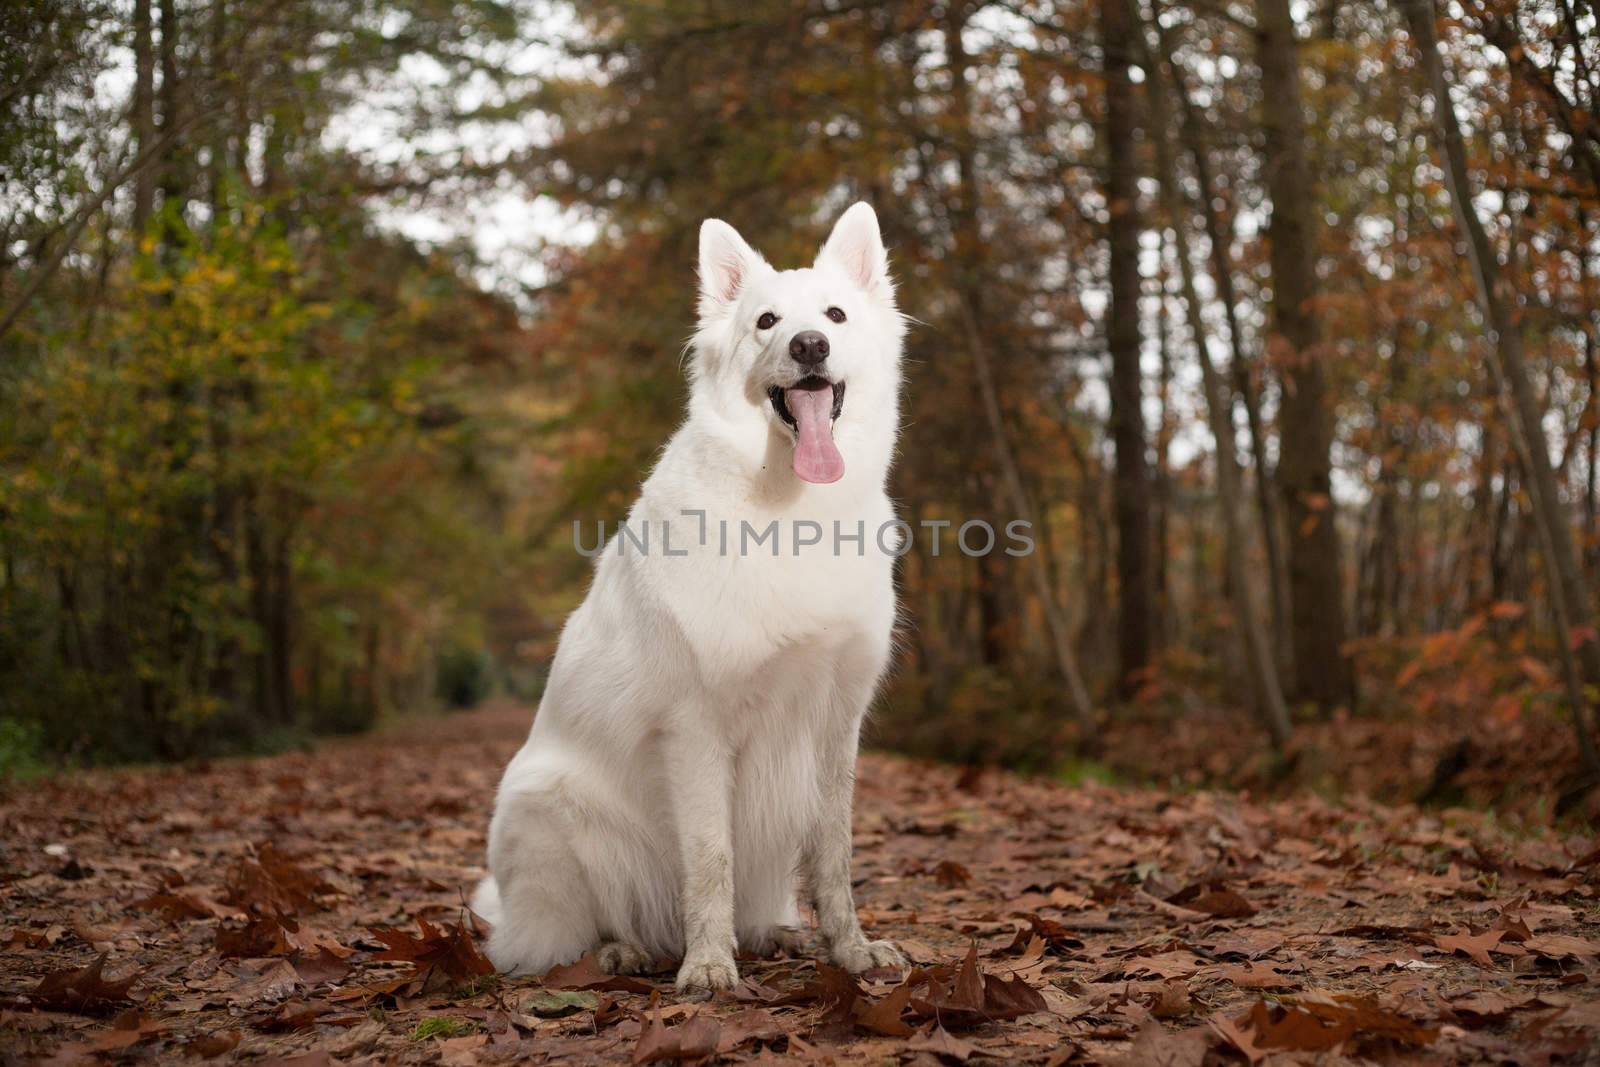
{"points": [[965, 996], [1215, 900], [585, 973], [751, 1024], [1316, 1025], [271, 882], [450, 952], [275, 935], [1561, 946], [941, 1042], [695, 1038], [1249, 976], [86, 990], [127, 1030], [1475, 946], [210, 1046], [178, 906]]}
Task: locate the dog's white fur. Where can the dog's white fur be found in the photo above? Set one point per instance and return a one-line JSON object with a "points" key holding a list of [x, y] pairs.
{"points": [[695, 749]]}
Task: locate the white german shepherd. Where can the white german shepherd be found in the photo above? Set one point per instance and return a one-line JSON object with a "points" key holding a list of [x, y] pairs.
{"points": [[695, 750]]}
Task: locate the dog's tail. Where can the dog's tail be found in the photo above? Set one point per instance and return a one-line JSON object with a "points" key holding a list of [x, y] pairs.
{"points": [[486, 900]]}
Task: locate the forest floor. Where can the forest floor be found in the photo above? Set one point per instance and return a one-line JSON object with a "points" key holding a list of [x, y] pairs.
{"points": [[307, 909]]}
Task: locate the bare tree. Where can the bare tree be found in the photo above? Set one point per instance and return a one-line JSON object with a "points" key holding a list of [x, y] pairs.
{"points": [[1136, 585], [144, 114], [966, 227], [1568, 592], [1254, 649], [1322, 673]]}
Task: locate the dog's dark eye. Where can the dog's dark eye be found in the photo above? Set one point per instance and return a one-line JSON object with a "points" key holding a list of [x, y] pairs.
{"points": [[836, 314], [767, 321]]}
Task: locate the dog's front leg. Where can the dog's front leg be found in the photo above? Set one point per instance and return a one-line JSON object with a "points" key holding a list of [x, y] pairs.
{"points": [[825, 859], [701, 776]]}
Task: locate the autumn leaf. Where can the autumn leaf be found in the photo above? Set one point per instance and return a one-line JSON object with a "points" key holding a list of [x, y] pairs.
{"points": [[942, 1043], [1562, 946], [271, 882], [85, 990], [450, 953], [586, 973], [1216, 900], [693, 1039], [1476, 946]]}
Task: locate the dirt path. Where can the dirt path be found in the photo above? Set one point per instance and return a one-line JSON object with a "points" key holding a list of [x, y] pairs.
{"points": [[1108, 926]]}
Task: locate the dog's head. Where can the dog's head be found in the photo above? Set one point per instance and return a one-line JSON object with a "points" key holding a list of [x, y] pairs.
{"points": [[809, 356]]}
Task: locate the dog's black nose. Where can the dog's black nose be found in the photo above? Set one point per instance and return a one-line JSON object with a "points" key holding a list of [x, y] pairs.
{"points": [[808, 348]]}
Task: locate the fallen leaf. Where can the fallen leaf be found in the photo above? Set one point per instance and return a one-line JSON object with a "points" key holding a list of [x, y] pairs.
{"points": [[942, 1043], [693, 1039], [586, 974], [85, 990], [1475, 946]]}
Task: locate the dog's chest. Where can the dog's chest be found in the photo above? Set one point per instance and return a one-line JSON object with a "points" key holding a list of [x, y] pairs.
{"points": [[739, 604]]}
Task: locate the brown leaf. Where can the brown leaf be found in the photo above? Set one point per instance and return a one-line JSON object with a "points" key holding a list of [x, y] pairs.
{"points": [[1316, 1025], [1249, 976], [1561, 946], [179, 906], [271, 882], [1008, 998], [884, 1016], [585, 973], [693, 1039], [752, 1024], [1155, 1046], [1476, 946], [1215, 900], [451, 951], [942, 1043], [210, 1046], [127, 1030], [320, 966], [85, 990], [1173, 1001]]}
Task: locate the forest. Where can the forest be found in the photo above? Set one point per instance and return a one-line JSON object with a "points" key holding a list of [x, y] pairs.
{"points": [[329, 333], [1277, 321]]}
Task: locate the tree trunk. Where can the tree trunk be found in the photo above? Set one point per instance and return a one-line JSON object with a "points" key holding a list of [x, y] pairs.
{"points": [[1254, 650], [1568, 592], [144, 116], [172, 176], [1305, 426], [964, 211], [1243, 365], [1135, 575], [1162, 482]]}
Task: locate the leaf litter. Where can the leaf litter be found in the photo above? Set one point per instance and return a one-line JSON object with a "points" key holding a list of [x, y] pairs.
{"points": [[311, 908]]}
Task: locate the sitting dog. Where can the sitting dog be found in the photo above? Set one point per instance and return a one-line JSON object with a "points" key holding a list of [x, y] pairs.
{"points": [[691, 768]]}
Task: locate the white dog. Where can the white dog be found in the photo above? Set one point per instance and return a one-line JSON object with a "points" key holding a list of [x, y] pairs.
{"points": [[695, 750]]}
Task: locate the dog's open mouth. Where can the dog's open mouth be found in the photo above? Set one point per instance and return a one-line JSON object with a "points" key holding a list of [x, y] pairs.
{"points": [[809, 407]]}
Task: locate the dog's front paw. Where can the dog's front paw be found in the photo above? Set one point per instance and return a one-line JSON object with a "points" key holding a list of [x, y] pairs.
{"points": [[863, 955], [701, 976]]}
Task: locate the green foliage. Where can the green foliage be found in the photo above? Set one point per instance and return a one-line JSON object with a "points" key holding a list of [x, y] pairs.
{"points": [[442, 1026], [200, 493], [465, 676], [21, 748]]}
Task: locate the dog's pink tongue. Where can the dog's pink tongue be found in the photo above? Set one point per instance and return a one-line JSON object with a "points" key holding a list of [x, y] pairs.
{"points": [[816, 459]]}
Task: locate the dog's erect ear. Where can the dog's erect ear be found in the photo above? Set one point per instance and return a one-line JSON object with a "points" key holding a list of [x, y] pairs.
{"points": [[726, 265], [856, 246]]}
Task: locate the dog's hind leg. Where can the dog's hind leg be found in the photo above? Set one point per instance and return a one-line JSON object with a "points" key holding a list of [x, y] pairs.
{"points": [[547, 908], [622, 957]]}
